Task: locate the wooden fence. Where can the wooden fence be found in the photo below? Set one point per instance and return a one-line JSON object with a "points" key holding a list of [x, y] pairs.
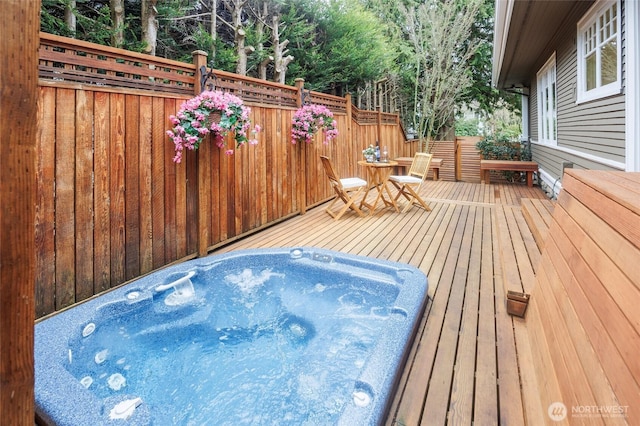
{"points": [[112, 205]]}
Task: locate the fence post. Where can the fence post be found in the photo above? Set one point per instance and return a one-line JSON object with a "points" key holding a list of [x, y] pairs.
{"points": [[379, 124], [300, 87], [301, 153], [347, 99], [199, 60], [203, 164], [18, 122]]}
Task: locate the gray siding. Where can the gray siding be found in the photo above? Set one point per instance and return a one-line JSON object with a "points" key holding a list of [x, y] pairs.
{"points": [[533, 111], [550, 160], [594, 128]]}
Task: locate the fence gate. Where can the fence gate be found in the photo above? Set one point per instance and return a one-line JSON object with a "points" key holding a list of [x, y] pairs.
{"points": [[467, 159]]}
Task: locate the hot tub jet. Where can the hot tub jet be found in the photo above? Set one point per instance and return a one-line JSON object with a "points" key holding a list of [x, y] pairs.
{"points": [[183, 290]]}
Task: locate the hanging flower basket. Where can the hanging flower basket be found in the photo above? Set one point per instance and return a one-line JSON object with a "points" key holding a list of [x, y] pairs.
{"points": [[311, 118], [212, 112]]}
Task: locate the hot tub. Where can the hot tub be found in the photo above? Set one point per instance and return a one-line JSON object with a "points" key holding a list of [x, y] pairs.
{"points": [[297, 336]]}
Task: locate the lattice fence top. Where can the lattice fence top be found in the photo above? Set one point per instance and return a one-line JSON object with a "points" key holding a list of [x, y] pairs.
{"points": [[63, 59], [254, 90]]}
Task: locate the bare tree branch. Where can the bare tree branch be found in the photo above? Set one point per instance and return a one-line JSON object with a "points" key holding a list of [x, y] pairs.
{"points": [[440, 35]]}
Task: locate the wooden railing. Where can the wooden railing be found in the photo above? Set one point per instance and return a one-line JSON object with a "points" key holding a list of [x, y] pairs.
{"points": [[65, 59], [336, 104], [254, 90], [365, 117], [112, 204]]}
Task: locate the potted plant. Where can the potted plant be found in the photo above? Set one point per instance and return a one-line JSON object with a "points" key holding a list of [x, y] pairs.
{"points": [[369, 154], [308, 119], [212, 112]]}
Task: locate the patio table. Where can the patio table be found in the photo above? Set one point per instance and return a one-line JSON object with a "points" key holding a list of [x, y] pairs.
{"points": [[378, 177]]}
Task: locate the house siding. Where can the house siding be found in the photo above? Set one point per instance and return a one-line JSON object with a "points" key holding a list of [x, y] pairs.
{"points": [[552, 160], [533, 112], [591, 135]]}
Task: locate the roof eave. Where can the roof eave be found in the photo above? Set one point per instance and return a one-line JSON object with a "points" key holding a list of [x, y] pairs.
{"points": [[503, 10]]}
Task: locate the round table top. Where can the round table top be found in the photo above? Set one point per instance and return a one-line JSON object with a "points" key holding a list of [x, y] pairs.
{"points": [[389, 163]]}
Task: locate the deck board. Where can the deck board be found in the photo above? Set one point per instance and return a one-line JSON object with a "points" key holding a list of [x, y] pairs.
{"points": [[486, 399], [461, 401], [436, 406], [509, 398], [463, 365]]}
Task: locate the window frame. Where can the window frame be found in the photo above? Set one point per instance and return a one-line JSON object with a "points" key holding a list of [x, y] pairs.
{"points": [[546, 78], [593, 18]]}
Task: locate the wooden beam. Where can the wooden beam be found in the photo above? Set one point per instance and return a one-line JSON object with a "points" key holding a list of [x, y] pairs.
{"points": [[19, 42]]}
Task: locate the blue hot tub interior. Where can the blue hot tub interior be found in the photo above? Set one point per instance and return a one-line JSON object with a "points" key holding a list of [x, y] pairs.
{"points": [[279, 336]]}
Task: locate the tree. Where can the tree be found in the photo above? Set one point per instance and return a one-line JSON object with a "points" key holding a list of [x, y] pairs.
{"points": [[280, 57], [106, 22], [355, 48], [335, 45], [271, 53], [117, 17], [439, 33], [264, 58], [298, 26], [236, 8], [487, 98], [149, 26], [213, 28], [70, 16]]}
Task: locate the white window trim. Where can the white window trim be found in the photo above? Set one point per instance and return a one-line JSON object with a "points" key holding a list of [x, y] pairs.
{"points": [[612, 88], [632, 83], [543, 74]]}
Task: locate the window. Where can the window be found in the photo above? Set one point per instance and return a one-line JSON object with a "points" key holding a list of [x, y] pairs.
{"points": [[598, 45], [547, 104]]}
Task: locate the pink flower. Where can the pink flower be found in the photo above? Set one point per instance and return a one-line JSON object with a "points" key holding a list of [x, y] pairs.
{"points": [[309, 119], [192, 122]]}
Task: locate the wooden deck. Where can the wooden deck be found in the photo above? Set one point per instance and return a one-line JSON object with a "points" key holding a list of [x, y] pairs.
{"points": [[463, 366]]}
